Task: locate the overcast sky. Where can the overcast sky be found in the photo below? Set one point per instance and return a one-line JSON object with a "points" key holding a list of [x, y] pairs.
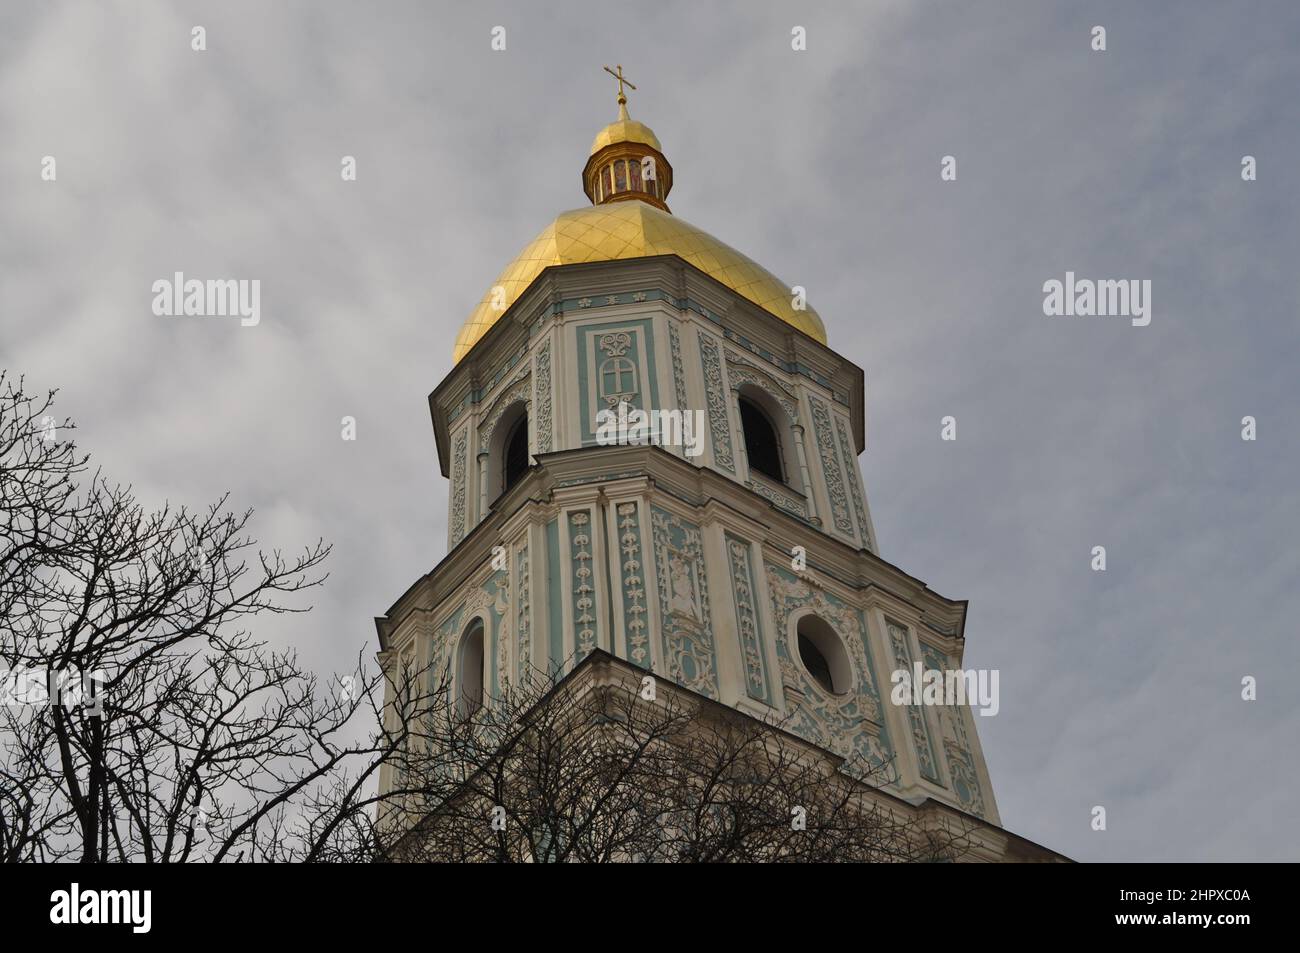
{"points": [[1120, 689]]}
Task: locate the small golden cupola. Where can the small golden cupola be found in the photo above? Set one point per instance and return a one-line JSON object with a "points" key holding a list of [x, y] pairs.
{"points": [[626, 161]]}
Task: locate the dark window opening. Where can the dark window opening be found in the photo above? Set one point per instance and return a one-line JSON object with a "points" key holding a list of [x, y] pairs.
{"points": [[823, 655], [816, 663], [516, 453], [761, 443], [471, 672]]}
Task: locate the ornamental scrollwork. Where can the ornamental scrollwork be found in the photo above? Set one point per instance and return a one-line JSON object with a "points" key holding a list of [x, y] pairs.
{"points": [[683, 602], [719, 425], [898, 640], [855, 484], [831, 467], [516, 392], [583, 591], [634, 610], [544, 398], [956, 743], [850, 724], [616, 344], [458, 488], [751, 638]]}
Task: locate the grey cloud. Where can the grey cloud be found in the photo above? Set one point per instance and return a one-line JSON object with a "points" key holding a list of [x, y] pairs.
{"points": [[1118, 689]]}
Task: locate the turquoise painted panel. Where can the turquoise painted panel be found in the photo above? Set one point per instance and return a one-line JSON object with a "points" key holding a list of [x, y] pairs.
{"points": [[956, 742], [688, 650], [631, 341], [853, 727]]}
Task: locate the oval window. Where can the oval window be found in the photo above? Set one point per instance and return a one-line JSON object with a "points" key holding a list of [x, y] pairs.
{"points": [[824, 656]]}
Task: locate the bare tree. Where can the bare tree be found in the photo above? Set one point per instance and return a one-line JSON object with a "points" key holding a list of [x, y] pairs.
{"points": [[592, 770], [142, 720], [181, 737]]}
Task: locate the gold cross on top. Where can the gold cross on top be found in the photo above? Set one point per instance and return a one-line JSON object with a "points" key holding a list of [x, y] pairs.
{"points": [[622, 80]]}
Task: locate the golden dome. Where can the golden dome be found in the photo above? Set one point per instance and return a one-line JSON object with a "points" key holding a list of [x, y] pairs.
{"points": [[625, 129], [633, 230]]}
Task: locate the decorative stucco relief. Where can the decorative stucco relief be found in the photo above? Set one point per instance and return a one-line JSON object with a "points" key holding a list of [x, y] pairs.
{"points": [[634, 609], [831, 467], [719, 425], [684, 602], [458, 488], [543, 398], [851, 724], [516, 392], [584, 621], [956, 743], [855, 484], [679, 374], [902, 651], [747, 619], [741, 372]]}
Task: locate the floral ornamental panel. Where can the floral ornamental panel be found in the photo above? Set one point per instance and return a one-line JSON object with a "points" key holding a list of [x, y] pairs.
{"points": [[855, 484], [902, 650], [852, 725], [747, 619], [584, 602], [956, 743], [831, 468], [683, 602], [543, 398], [679, 373], [719, 425], [633, 575], [458, 488]]}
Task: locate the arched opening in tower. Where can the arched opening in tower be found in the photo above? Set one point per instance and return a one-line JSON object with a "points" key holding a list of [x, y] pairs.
{"points": [[516, 462], [762, 445]]}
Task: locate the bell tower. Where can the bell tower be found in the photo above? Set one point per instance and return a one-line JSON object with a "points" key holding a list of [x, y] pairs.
{"points": [[748, 572]]}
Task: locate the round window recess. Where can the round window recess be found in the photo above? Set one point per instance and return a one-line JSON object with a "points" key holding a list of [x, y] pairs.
{"points": [[823, 655]]}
